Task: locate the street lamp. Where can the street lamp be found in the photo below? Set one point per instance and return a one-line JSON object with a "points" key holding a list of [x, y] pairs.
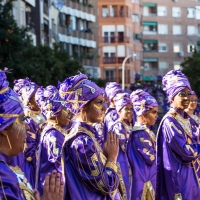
{"points": [[123, 68]]}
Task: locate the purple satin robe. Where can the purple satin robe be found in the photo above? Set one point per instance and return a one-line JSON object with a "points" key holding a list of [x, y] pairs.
{"points": [[141, 152], [49, 154], [99, 129], [10, 180], [177, 151], [87, 174], [123, 130]]}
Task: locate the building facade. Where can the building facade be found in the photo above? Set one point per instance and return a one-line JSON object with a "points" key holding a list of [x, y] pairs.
{"points": [[119, 24], [171, 32]]}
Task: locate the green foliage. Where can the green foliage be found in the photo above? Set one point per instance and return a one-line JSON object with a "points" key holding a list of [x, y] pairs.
{"points": [[191, 68], [99, 82], [42, 64]]}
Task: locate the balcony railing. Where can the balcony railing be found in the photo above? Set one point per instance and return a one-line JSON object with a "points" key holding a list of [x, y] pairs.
{"points": [[116, 39], [110, 79], [112, 60]]}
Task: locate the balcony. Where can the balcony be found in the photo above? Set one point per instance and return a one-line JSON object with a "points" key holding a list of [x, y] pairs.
{"points": [[117, 39], [114, 60]]}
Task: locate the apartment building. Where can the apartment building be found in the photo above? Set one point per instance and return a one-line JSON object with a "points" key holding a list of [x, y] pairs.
{"points": [[171, 32], [22, 14], [119, 36]]}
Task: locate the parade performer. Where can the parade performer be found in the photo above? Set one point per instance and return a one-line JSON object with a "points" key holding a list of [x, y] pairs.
{"points": [[26, 89], [122, 128], [141, 148], [177, 144], [89, 172], [190, 110], [13, 183], [112, 88], [53, 133]]}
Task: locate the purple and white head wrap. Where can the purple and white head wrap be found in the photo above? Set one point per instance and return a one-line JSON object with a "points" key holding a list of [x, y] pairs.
{"points": [[174, 81], [25, 88], [142, 101], [49, 101], [78, 91], [112, 88], [10, 104], [121, 100]]}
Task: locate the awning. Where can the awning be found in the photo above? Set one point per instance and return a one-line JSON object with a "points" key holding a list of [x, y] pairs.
{"points": [[150, 59], [149, 23], [198, 42], [152, 5], [148, 78], [150, 41]]}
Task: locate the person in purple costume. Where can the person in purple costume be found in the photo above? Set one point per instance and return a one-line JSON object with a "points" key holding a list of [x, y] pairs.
{"points": [[90, 173], [122, 128], [111, 115], [178, 148], [26, 89], [13, 183], [141, 148], [52, 136]]}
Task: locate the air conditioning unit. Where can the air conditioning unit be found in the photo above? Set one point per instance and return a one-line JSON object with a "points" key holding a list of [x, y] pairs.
{"points": [[181, 53]]}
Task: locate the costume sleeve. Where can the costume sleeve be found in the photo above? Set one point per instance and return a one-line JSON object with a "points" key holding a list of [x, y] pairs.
{"points": [[92, 167], [177, 141], [9, 187], [144, 146], [31, 141], [120, 131], [53, 141]]}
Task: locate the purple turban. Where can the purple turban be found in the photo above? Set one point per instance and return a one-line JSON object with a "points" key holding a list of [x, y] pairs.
{"points": [[142, 101], [121, 100], [174, 81], [112, 88], [49, 101], [77, 91], [193, 93], [25, 88], [10, 104]]}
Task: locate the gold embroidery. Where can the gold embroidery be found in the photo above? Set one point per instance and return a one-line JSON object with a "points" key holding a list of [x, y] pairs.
{"points": [[29, 159], [32, 134], [148, 141], [111, 165], [9, 115], [148, 191], [174, 126], [53, 140], [151, 156], [178, 196], [122, 187], [94, 159], [4, 90]]}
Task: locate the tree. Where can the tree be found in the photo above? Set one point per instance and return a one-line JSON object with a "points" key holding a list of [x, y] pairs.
{"points": [[41, 64], [191, 68]]}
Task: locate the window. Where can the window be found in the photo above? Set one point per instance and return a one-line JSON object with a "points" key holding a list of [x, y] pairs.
{"points": [[110, 75], [162, 47], [176, 12], [177, 65], [105, 11], [190, 48], [135, 18], [176, 48], [176, 30], [162, 29], [161, 11], [190, 13], [191, 30], [163, 66]]}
